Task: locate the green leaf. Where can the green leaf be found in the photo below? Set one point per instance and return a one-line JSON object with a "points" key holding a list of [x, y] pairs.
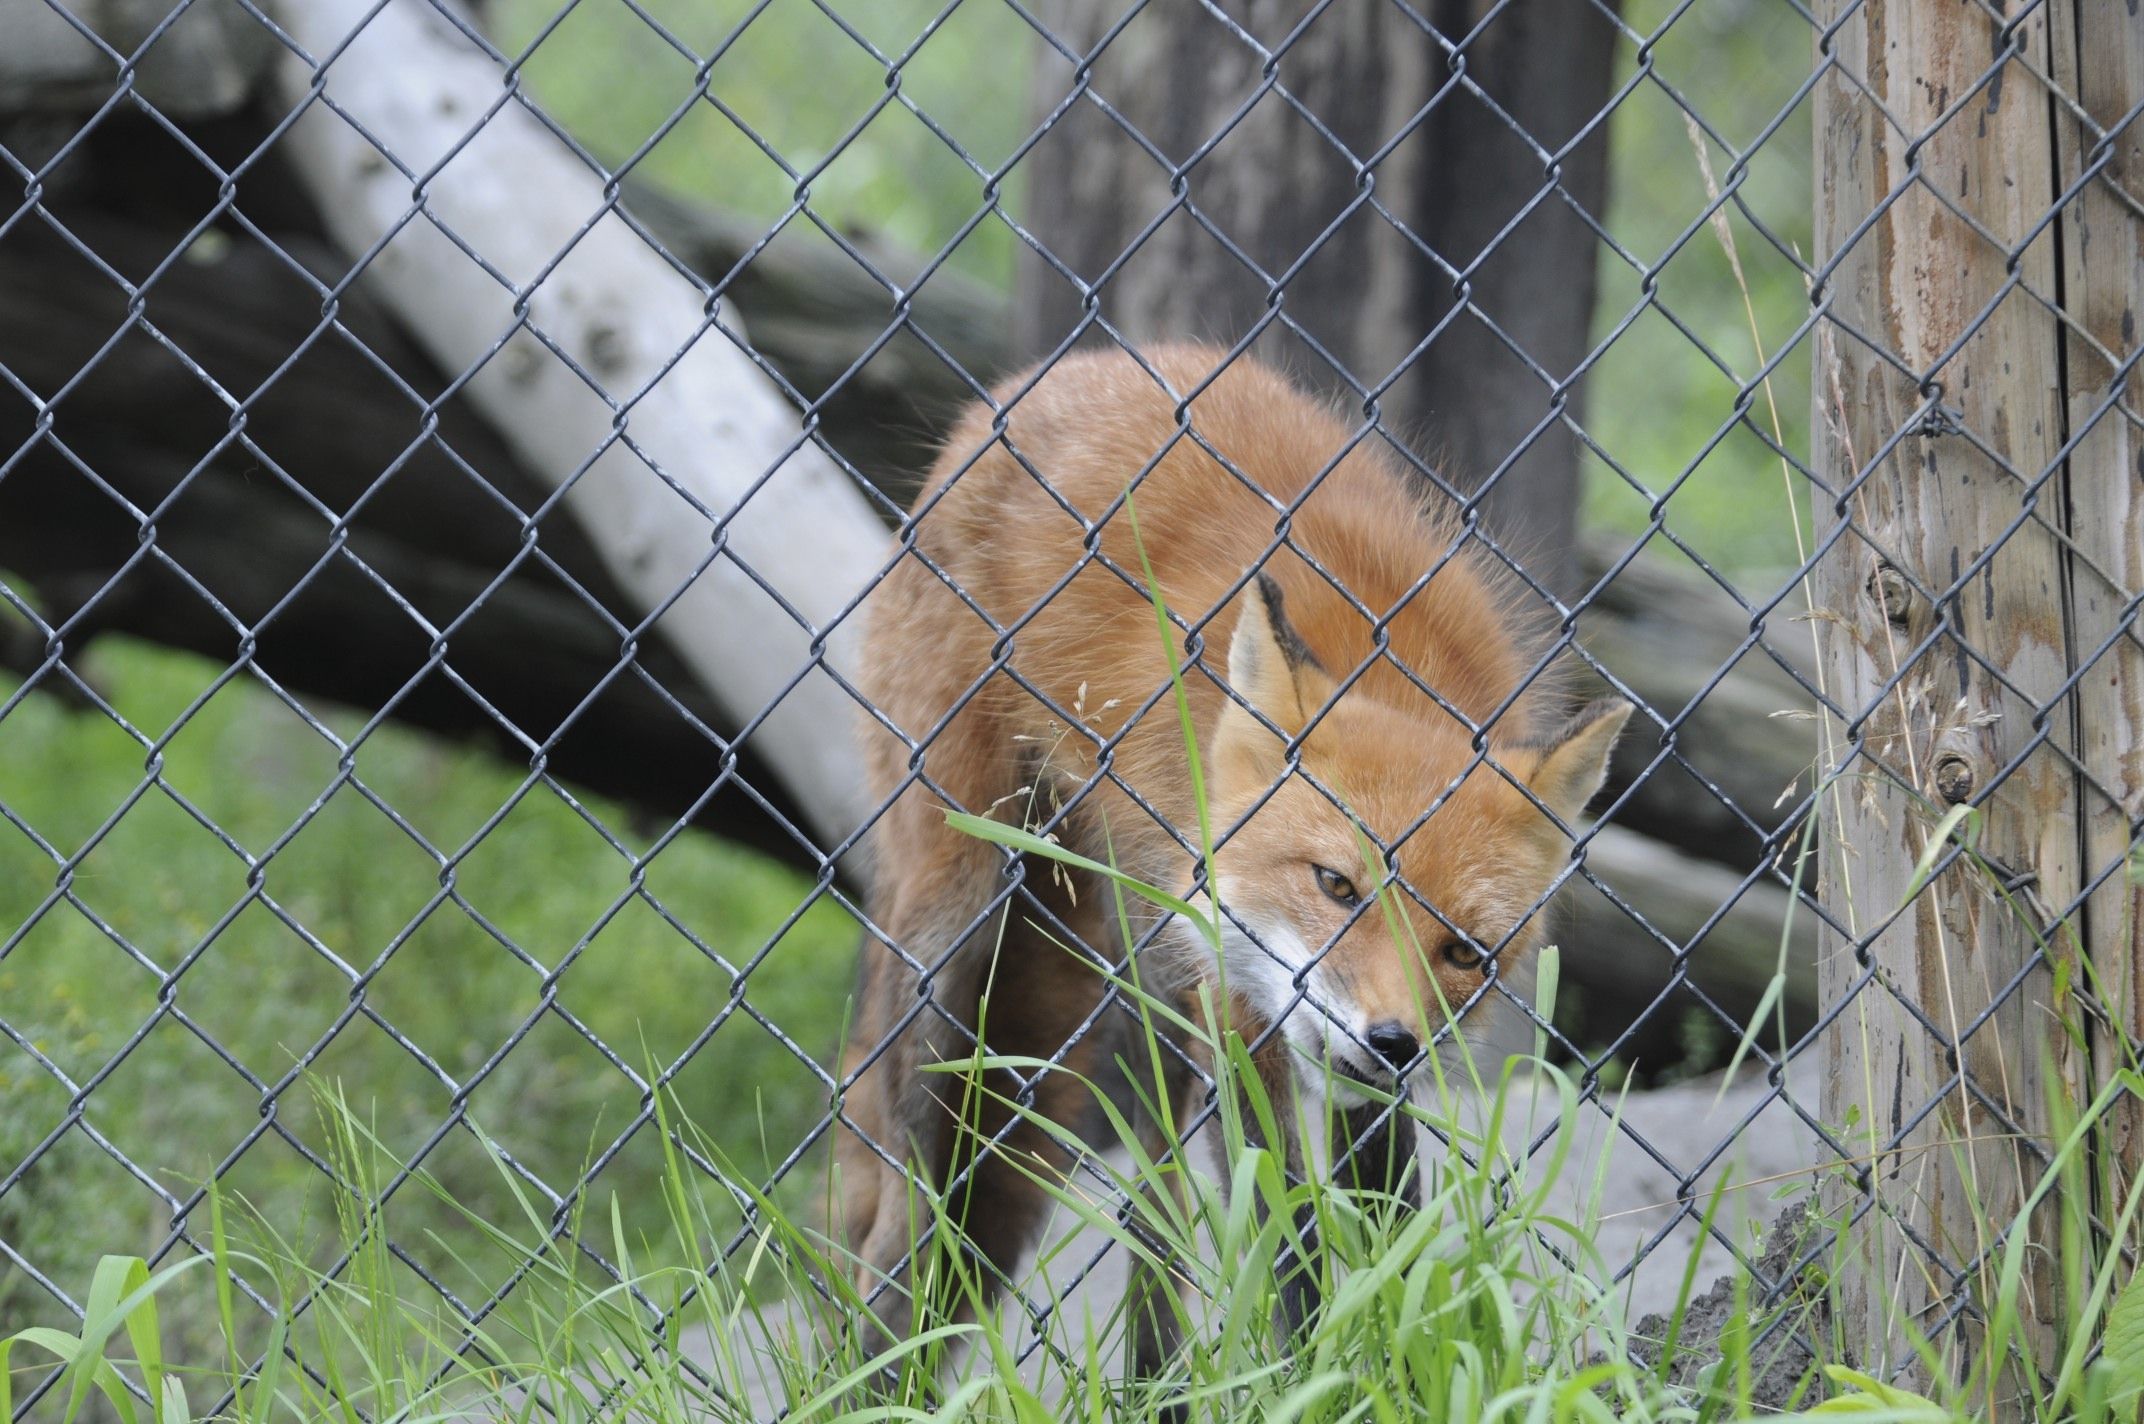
{"points": [[142, 1329], [1183, 704], [2123, 1345], [1873, 1396], [62, 1346], [983, 828], [1941, 836], [114, 1299], [1548, 973], [174, 1409], [122, 1292]]}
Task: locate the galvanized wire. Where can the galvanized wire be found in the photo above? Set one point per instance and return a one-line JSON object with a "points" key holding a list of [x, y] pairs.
{"points": [[1774, 831]]}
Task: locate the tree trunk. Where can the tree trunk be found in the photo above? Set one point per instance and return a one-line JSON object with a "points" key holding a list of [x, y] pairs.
{"points": [[1950, 644], [539, 648], [1358, 205]]}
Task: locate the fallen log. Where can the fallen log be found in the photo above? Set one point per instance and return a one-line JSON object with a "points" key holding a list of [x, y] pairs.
{"points": [[625, 387], [1667, 919], [131, 193], [334, 421], [1743, 738], [206, 58], [442, 531]]}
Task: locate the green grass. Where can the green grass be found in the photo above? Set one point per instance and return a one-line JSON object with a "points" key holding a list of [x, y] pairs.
{"points": [[1461, 1312], [357, 884]]}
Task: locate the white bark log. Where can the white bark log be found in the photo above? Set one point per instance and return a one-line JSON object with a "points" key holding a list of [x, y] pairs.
{"points": [[510, 191]]}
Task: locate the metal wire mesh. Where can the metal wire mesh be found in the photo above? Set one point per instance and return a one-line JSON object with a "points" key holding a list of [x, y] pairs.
{"points": [[1863, 748]]}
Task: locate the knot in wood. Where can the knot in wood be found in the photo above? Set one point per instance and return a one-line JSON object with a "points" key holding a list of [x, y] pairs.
{"points": [[1888, 590], [1954, 778]]}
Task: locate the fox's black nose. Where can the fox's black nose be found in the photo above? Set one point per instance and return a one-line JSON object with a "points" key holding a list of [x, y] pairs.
{"points": [[1393, 1043]]}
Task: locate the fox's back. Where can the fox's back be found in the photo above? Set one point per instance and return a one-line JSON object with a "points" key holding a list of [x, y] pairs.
{"points": [[1037, 530]]}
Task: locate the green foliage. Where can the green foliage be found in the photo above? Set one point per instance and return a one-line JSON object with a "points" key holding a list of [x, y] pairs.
{"points": [[1655, 402], [788, 72], [1863, 1396], [122, 1295], [2123, 1348], [360, 901], [1432, 1314]]}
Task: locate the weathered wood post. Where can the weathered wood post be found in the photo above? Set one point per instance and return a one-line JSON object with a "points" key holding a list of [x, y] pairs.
{"points": [[1978, 315], [2099, 61]]}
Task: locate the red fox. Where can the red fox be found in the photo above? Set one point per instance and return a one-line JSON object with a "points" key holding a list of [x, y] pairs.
{"points": [[1342, 638]]}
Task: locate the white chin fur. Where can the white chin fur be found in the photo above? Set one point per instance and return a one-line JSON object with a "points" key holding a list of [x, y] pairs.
{"points": [[1265, 971]]}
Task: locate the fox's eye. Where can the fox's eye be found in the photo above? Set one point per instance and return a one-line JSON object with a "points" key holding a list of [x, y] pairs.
{"points": [[1338, 886], [1461, 955]]}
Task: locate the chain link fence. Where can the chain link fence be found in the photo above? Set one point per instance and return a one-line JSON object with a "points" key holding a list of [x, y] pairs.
{"points": [[336, 354]]}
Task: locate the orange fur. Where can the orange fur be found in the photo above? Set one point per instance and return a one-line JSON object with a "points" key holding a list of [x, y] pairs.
{"points": [[1019, 721]]}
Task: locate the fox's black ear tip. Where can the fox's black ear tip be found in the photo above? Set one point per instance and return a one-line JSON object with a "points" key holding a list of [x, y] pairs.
{"points": [[1265, 596]]}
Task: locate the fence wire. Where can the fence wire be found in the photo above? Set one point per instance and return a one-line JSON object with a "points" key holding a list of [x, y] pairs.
{"points": [[1867, 753]]}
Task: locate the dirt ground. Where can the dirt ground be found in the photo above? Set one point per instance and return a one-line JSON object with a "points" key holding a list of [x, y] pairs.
{"points": [[1781, 1361]]}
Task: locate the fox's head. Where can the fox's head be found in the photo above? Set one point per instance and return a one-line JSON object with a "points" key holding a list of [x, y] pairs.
{"points": [[1378, 885]]}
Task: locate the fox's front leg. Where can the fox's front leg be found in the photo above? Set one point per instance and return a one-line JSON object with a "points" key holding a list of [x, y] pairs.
{"points": [[1159, 1283], [904, 1120], [1365, 1153], [1373, 1147], [1295, 1265]]}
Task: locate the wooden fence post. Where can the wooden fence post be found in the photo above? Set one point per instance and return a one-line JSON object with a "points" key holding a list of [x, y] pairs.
{"points": [[1978, 311], [2099, 62]]}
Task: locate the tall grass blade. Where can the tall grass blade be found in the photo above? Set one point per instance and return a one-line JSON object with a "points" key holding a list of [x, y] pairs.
{"points": [[2122, 1348]]}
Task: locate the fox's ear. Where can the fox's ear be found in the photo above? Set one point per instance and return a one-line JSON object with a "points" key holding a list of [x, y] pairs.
{"points": [[1270, 665], [1574, 762]]}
